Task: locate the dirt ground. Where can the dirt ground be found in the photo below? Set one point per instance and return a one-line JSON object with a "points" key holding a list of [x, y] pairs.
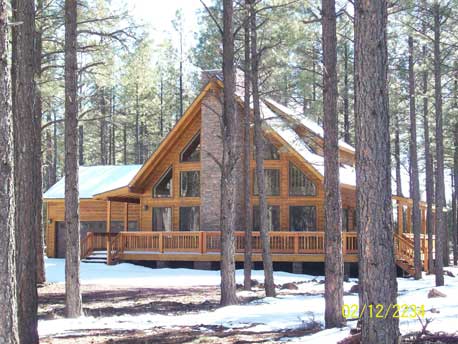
{"points": [[102, 301]]}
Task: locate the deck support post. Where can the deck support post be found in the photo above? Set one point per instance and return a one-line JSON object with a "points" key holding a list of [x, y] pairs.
{"points": [[409, 219], [108, 232]]}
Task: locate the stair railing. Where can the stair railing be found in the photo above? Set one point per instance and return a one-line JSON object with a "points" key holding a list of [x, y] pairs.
{"points": [[87, 245]]}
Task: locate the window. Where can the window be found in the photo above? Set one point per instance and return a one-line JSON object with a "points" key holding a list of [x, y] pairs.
{"points": [[302, 218], [192, 150], [189, 219], [299, 184], [163, 188], [272, 180], [273, 218], [190, 184], [345, 220], [162, 219], [270, 152]]}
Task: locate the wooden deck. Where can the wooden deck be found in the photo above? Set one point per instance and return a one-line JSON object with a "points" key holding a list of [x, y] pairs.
{"points": [[205, 246]]}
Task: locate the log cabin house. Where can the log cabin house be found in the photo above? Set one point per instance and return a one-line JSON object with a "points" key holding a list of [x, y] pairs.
{"points": [[168, 208]]}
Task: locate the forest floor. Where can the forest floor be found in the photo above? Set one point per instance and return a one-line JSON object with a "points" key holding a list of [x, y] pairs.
{"points": [[132, 304]]}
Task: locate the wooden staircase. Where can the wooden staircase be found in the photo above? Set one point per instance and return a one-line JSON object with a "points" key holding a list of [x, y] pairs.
{"points": [[404, 251]]}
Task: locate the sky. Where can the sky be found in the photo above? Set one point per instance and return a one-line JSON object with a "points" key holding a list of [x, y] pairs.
{"points": [[158, 14]]}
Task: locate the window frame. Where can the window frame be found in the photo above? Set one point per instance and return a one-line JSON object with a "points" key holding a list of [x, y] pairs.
{"points": [[255, 182], [197, 135], [181, 183], [180, 219], [152, 218], [303, 206], [169, 169], [290, 194]]}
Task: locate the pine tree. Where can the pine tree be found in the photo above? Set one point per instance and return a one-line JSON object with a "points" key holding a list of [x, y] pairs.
{"points": [[73, 307], [377, 271], [8, 315]]}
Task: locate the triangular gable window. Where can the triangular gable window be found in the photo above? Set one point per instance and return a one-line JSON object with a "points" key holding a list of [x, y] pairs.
{"points": [[192, 150], [163, 187], [299, 184]]}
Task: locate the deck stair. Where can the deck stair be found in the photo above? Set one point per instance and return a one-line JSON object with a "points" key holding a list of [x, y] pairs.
{"points": [[96, 257]]}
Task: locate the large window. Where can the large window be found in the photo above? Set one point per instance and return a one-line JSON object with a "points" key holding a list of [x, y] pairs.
{"points": [[192, 150], [302, 218], [189, 219], [273, 218], [272, 180], [162, 219], [270, 152], [190, 184], [299, 184], [163, 187]]}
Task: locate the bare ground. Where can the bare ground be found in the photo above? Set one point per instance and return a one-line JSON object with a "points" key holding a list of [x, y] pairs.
{"points": [[103, 301]]}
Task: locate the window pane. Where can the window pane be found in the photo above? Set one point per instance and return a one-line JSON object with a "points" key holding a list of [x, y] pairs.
{"points": [[132, 226], [272, 180], [190, 184], [302, 218], [345, 222], [299, 184], [273, 218], [192, 151], [189, 219], [270, 152], [164, 187], [162, 219]]}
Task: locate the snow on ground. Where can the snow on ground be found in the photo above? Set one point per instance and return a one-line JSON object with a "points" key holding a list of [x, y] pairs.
{"points": [[288, 311]]}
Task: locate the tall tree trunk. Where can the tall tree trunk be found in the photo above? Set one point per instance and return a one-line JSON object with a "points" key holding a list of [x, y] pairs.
{"points": [[27, 179], [103, 126], [41, 278], [181, 75], [414, 178], [269, 284], [137, 126], [397, 156], [48, 154], [73, 306], [248, 260], [113, 127], [346, 97], [455, 198], [440, 187], [53, 177], [429, 180], [228, 181], [8, 315], [333, 290], [81, 145], [377, 269], [124, 144], [161, 117]]}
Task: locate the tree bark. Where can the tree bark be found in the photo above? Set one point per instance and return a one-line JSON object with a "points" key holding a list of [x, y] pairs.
{"points": [[269, 284], [414, 177], [81, 145], [27, 136], [429, 180], [8, 300], [333, 290], [346, 101], [397, 156], [377, 269], [455, 197], [247, 262], [124, 143], [440, 187], [73, 304], [228, 182], [137, 126]]}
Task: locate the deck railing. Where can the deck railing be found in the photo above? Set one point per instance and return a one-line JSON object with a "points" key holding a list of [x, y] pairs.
{"points": [[204, 242]]}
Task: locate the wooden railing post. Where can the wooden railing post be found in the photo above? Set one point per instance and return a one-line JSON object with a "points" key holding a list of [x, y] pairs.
{"points": [[203, 242], [161, 242], [296, 243], [108, 232]]}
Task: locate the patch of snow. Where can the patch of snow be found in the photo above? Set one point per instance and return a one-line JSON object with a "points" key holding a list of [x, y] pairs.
{"points": [[96, 179]]}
